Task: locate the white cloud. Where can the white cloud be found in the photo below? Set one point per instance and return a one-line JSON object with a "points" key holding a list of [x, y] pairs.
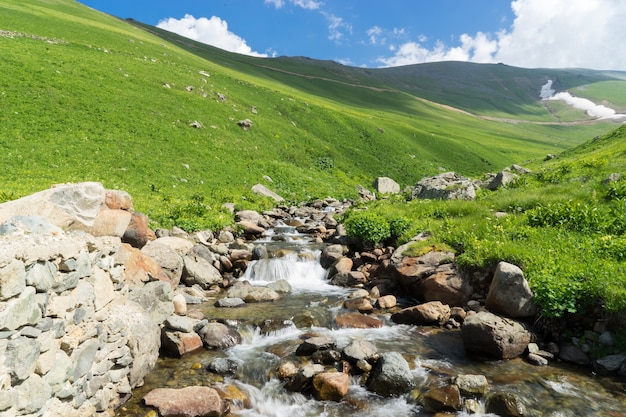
{"points": [[276, 3], [374, 34], [555, 33], [305, 4], [213, 31], [336, 27]]}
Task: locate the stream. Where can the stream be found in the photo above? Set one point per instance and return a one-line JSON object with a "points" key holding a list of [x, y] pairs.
{"points": [[271, 332]]}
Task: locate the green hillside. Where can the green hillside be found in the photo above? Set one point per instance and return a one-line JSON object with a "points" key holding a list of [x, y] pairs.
{"points": [[88, 97]]}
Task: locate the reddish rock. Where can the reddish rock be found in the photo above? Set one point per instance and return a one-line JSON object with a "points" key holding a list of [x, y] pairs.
{"points": [[430, 313], [250, 228], [138, 267], [361, 304], [178, 344], [331, 386], [138, 232], [358, 321], [442, 399], [118, 200], [343, 265], [109, 223], [446, 285], [186, 402]]}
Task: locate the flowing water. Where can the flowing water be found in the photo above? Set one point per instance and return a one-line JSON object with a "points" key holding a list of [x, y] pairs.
{"points": [[271, 332]]}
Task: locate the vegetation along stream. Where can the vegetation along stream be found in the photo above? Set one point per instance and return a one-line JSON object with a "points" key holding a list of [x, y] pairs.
{"points": [[272, 332]]}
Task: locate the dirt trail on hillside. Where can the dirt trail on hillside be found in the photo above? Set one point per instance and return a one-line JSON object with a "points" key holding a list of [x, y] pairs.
{"points": [[443, 106]]}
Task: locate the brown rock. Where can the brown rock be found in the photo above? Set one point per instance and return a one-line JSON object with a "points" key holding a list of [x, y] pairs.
{"points": [[430, 313], [138, 232], [361, 304], [386, 301], [494, 336], [178, 344], [250, 228], [446, 285], [343, 265], [358, 321], [331, 386], [186, 402], [442, 399], [109, 223], [118, 200], [138, 267]]}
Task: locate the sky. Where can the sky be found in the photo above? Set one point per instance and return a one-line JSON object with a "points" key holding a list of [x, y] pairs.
{"points": [[385, 33]]}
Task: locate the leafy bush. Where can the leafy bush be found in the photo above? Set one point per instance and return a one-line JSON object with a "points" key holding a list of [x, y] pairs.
{"points": [[616, 191], [368, 226]]}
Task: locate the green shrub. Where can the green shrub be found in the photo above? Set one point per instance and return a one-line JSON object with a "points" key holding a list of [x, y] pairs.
{"points": [[368, 226]]}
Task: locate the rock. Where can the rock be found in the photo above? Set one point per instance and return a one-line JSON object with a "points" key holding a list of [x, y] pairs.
{"points": [[230, 302], [252, 294], [357, 321], [21, 358], [571, 353], [446, 186], [12, 279], [314, 344], [473, 385], [341, 266], [304, 378], [609, 364], [200, 271], [503, 179], [431, 313], [287, 370], [219, 336], [505, 404], [118, 200], [509, 293], [280, 286], [348, 279], [245, 124], [536, 359], [250, 216], [265, 192], [223, 366], [331, 386], [180, 304], [330, 254], [385, 185], [177, 343], [391, 376], [494, 336], [20, 311], [168, 258], [138, 233], [192, 401], [445, 399], [139, 268], [30, 395], [446, 285], [156, 299], [250, 228], [386, 301], [360, 350], [361, 304], [180, 323]]}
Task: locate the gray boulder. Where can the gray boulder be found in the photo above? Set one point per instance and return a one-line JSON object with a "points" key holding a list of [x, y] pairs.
{"points": [[385, 185], [219, 336], [509, 293], [446, 186], [485, 333], [391, 376], [167, 258], [502, 179], [265, 192]]}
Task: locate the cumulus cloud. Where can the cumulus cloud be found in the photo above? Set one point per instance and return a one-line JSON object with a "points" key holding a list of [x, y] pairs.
{"points": [[555, 33], [213, 31]]}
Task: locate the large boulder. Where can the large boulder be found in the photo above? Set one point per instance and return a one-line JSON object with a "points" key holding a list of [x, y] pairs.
{"points": [[446, 186], [391, 376], [446, 399], [433, 312], [447, 285], [509, 293], [192, 401], [502, 179], [219, 336], [168, 259], [385, 185], [252, 293], [485, 333]]}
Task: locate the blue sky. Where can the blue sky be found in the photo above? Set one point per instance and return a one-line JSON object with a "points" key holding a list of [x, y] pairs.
{"points": [[380, 33]]}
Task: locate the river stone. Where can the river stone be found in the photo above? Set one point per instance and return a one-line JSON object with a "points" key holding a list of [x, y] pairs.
{"points": [[330, 254], [303, 379], [609, 364], [568, 352], [468, 384], [280, 286], [509, 293], [494, 336], [361, 304], [250, 229], [314, 344], [180, 323], [251, 293], [342, 265], [177, 343], [385, 185], [200, 271], [248, 215], [223, 366], [431, 313], [505, 404], [391, 376], [192, 401], [445, 399], [386, 301], [360, 350], [331, 386], [180, 304], [230, 302], [167, 257], [446, 186], [219, 336], [536, 359], [348, 279], [12, 279], [357, 321], [446, 285]]}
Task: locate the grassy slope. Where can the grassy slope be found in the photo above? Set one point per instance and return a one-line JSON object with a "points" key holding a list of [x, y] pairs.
{"points": [[83, 97]]}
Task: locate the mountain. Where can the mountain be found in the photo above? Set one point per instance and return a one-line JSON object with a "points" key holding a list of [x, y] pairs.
{"points": [[90, 97]]}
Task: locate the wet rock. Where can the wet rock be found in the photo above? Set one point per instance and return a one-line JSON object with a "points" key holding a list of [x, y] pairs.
{"points": [[326, 357], [442, 399], [358, 321], [189, 402], [177, 343], [361, 304], [509, 293], [287, 370], [230, 302], [475, 385], [505, 404], [494, 336], [391, 376], [360, 350], [431, 313], [304, 378], [314, 344], [331, 386], [223, 366], [386, 301], [252, 294], [280, 286], [219, 336], [537, 359], [609, 364], [446, 186], [330, 254]]}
